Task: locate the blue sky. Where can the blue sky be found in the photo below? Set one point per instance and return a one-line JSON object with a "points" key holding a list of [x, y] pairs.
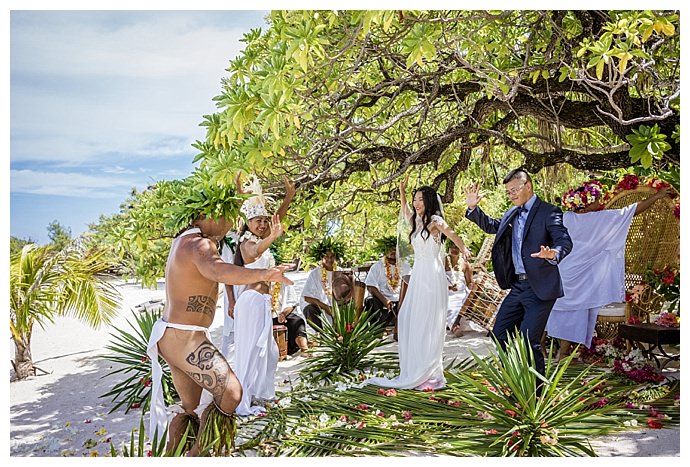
{"points": [[103, 101]]}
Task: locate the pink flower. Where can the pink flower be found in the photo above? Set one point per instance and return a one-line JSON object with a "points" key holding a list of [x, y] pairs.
{"points": [[391, 393], [381, 392], [348, 327], [407, 415], [144, 358], [654, 423], [134, 405], [343, 418], [510, 413], [676, 211], [490, 432], [634, 320], [428, 389], [364, 407]]}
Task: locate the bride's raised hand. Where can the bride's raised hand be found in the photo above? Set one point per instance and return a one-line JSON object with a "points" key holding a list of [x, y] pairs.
{"points": [[403, 184]]}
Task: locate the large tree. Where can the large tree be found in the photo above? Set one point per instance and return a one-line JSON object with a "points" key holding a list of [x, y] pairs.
{"points": [[346, 102], [330, 94]]}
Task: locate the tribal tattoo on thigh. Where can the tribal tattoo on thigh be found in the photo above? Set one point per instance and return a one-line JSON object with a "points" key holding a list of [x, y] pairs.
{"points": [[214, 369], [201, 304]]}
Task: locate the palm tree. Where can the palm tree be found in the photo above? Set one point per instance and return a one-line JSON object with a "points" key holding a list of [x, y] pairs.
{"points": [[45, 284]]}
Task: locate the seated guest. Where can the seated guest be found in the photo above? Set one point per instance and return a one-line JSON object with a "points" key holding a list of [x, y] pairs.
{"points": [[317, 294], [285, 312], [459, 273], [383, 281]]}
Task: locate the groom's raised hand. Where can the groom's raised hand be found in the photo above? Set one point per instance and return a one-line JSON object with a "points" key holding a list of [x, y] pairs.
{"points": [[472, 195]]}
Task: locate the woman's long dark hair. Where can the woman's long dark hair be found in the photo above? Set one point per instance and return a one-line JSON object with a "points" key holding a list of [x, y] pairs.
{"points": [[431, 207]]}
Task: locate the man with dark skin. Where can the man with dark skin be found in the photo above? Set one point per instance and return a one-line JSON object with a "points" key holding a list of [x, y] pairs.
{"points": [[193, 273]]}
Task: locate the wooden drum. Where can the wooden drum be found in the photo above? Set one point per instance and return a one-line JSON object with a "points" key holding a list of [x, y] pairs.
{"points": [[280, 335]]}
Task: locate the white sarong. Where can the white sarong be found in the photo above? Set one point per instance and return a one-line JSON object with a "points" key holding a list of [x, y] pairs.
{"points": [[256, 351], [159, 417]]}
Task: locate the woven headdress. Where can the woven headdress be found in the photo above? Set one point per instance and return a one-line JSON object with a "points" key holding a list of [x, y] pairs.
{"points": [[256, 205]]}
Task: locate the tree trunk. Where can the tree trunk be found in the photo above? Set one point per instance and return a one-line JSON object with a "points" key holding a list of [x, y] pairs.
{"points": [[23, 363]]}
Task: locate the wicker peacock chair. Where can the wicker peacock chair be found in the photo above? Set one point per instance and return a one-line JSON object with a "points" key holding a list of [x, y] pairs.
{"points": [[653, 241]]}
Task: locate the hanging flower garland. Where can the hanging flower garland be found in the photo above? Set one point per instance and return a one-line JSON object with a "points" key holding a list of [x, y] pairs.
{"points": [[392, 277], [324, 280], [275, 298]]}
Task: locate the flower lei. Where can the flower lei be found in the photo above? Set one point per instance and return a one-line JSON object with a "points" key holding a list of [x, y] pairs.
{"points": [[393, 278], [275, 298], [324, 280], [248, 235], [583, 196]]}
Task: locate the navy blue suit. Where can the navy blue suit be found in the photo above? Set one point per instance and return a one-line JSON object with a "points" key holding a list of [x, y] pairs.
{"points": [[528, 305]]}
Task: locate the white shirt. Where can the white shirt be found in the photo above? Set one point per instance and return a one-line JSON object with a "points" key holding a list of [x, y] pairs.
{"points": [[376, 277], [313, 287]]}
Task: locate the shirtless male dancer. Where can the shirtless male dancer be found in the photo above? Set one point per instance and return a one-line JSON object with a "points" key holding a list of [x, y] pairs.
{"points": [[193, 272]]}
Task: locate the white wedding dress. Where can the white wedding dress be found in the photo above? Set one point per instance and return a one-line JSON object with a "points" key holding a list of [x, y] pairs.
{"points": [[422, 319]]}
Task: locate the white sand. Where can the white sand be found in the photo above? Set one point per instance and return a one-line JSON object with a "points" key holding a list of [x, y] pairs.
{"points": [[58, 413]]}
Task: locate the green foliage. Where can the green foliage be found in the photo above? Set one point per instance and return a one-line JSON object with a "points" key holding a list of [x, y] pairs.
{"points": [[45, 284], [647, 144], [320, 248], [59, 235], [666, 282], [218, 434], [355, 419], [504, 388], [138, 446], [347, 345], [385, 244], [345, 103], [128, 352], [16, 244]]}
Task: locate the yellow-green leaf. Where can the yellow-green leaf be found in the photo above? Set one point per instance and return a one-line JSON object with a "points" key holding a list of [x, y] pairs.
{"points": [[600, 69]]}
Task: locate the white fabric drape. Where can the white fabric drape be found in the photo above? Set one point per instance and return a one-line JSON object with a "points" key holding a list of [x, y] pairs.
{"points": [[593, 274]]}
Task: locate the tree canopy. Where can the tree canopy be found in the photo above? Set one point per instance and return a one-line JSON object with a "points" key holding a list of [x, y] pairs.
{"points": [[346, 102]]}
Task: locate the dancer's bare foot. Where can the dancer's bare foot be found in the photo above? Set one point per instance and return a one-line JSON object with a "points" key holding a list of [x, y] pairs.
{"points": [[177, 428], [457, 331]]}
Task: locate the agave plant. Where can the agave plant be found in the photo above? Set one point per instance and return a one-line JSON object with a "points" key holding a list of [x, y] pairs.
{"points": [[346, 345], [523, 424], [486, 401], [129, 353]]}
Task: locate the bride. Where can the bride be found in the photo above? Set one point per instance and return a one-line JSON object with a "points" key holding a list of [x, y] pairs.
{"points": [[422, 317]]}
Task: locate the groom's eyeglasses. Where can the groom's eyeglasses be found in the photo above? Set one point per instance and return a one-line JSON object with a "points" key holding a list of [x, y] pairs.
{"points": [[515, 191]]}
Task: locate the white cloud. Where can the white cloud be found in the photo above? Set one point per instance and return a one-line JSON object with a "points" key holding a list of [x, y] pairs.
{"points": [[82, 88], [69, 184]]}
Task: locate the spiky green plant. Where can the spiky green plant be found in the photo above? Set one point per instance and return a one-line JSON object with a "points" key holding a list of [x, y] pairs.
{"points": [[354, 419], [128, 351], [524, 424], [137, 444], [218, 434], [347, 345]]}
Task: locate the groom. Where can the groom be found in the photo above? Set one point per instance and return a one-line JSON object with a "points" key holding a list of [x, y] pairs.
{"points": [[530, 242]]}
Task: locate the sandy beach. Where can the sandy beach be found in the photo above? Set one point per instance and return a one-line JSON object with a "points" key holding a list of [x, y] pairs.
{"points": [[59, 412]]}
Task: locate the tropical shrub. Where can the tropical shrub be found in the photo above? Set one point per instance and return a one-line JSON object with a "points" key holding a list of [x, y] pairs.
{"points": [[128, 351], [347, 345]]}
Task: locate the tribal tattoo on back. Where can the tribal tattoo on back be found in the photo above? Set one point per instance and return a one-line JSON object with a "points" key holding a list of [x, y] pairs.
{"points": [[201, 304], [213, 374]]}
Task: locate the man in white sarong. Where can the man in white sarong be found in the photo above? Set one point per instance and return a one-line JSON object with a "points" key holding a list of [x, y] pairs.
{"points": [[193, 271], [593, 274]]}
